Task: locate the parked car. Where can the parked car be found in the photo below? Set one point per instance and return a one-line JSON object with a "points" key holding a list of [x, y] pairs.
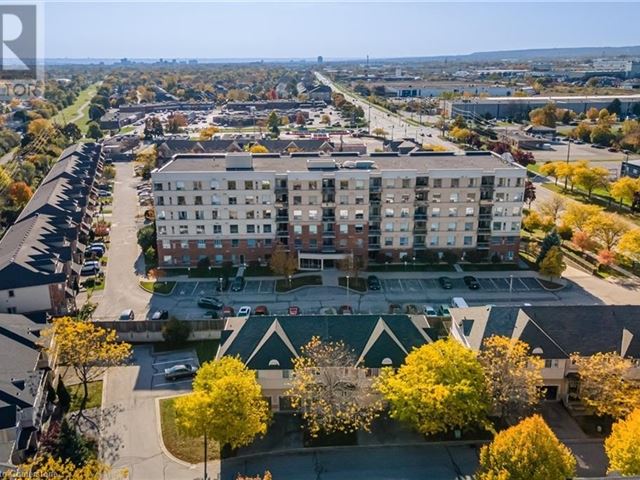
{"points": [[429, 311], [293, 310], [90, 268], [244, 311], [261, 310], [210, 302], [444, 310], [445, 282], [228, 311], [185, 370], [94, 253], [345, 310], [98, 245], [127, 315], [237, 285], [471, 282], [373, 282], [160, 315], [104, 193]]}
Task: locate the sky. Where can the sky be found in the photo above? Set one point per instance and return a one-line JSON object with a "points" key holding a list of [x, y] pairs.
{"points": [[350, 29]]}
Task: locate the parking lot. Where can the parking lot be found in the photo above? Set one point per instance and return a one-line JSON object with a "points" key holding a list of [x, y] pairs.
{"points": [[497, 284], [168, 360]]}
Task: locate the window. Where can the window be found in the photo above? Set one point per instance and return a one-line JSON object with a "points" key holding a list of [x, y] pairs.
{"points": [[388, 212], [233, 201], [251, 229], [165, 259], [344, 214], [455, 183], [202, 243], [435, 212], [296, 186], [313, 229], [215, 200], [436, 197], [344, 199], [551, 363], [451, 227], [437, 183], [181, 201], [404, 241], [313, 214], [406, 183], [217, 229], [515, 226], [359, 214], [162, 230], [359, 200], [179, 185], [266, 214], [265, 185], [469, 212], [453, 198], [388, 227], [214, 214], [166, 244], [313, 185], [251, 214], [468, 226], [214, 185], [434, 241], [390, 183], [313, 200], [344, 228], [389, 198], [388, 241], [160, 201], [266, 228], [451, 240], [12, 293], [157, 187], [359, 228], [183, 229], [359, 184], [233, 228], [297, 200], [435, 227], [471, 197], [248, 185], [467, 240], [182, 215], [406, 198], [217, 243], [497, 226], [233, 214], [453, 212], [344, 184], [404, 213], [249, 200], [197, 200], [199, 214], [199, 229], [297, 214], [231, 185]]}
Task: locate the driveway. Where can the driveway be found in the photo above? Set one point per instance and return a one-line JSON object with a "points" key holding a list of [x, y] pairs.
{"points": [[131, 437], [125, 260]]}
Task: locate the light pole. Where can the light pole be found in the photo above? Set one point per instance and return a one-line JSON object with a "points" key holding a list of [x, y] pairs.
{"points": [[347, 289], [510, 286], [220, 280], [566, 179], [289, 282]]}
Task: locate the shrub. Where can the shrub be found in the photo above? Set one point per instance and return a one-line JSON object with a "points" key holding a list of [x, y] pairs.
{"points": [[176, 332]]}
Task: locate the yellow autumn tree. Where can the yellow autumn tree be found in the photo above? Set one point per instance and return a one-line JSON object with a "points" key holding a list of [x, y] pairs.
{"points": [[331, 390], [440, 386], [258, 149], [226, 404], [88, 349], [45, 466], [207, 133], [623, 445], [39, 125], [514, 377], [526, 451], [606, 385], [578, 215], [625, 188], [630, 243]]}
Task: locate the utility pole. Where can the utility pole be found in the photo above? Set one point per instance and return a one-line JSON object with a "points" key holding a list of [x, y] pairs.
{"points": [[566, 179]]}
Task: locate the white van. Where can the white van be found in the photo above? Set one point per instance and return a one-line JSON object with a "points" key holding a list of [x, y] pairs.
{"points": [[459, 302]]}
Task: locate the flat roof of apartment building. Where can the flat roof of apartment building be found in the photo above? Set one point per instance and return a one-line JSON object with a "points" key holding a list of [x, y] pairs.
{"points": [[301, 163], [563, 98]]}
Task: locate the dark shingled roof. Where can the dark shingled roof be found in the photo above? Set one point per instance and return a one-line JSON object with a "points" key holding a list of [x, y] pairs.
{"points": [[353, 330]]}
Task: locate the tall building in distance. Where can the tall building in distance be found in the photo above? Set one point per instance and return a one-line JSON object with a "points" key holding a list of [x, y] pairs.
{"points": [[236, 207], [320, 59]]}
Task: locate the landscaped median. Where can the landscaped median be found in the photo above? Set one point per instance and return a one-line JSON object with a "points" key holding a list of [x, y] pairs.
{"points": [[159, 287], [286, 285], [187, 449], [76, 392]]}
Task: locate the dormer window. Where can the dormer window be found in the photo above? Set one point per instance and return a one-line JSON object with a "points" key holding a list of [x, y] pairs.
{"points": [[274, 363], [387, 362]]}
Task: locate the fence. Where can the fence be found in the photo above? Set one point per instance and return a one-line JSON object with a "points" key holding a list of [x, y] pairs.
{"points": [[151, 330]]}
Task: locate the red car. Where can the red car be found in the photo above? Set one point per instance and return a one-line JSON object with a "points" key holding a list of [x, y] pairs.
{"points": [[293, 310], [228, 311], [261, 310]]}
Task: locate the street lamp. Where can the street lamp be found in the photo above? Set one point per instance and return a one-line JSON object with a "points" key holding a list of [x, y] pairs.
{"points": [[220, 280], [510, 286], [414, 263], [289, 282], [347, 289]]}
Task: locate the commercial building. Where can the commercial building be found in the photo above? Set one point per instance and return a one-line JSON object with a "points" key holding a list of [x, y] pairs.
{"points": [[236, 207], [269, 345], [519, 107], [41, 254], [630, 168], [554, 333]]}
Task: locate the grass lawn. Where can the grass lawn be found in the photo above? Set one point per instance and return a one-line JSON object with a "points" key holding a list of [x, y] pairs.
{"points": [[76, 393], [181, 446], [282, 285], [490, 267], [205, 349], [127, 129], [158, 287], [70, 112], [94, 283], [358, 284], [418, 267], [258, 271], [195, 272]]}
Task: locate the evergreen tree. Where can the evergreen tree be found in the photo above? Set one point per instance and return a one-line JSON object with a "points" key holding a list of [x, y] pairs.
{"points": [[551, 240]]}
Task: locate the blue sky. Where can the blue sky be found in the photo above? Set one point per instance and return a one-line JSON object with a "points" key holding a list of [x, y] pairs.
{"points": [[335, 30]]}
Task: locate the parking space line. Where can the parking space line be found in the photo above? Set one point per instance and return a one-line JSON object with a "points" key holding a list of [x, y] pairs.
{"points": [[523, 284], [172, 383], [174, 361]]}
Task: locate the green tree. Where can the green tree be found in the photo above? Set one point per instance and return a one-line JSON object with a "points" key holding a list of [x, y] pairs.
{"points": [[147, 237], [551, 240], [176, 332], [625, 189], [553, 263], [590, 178], [615, 107], [623, 447], [94, 131], [96, 111], [547, 115], [282, 262], [602, 135], [72, 132], [273, 123], [440, 386], [526, 451]]}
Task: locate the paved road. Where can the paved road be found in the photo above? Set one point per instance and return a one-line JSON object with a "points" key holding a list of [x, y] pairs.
{"points": [[125, 260], [131, 437], [395, 125]]}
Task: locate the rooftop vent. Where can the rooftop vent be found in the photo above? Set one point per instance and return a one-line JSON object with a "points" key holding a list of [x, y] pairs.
{"points": [[328, 164], [239, 161]]}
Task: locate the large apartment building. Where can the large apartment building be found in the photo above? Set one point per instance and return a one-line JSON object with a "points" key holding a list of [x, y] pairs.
{"points": [[235, 207]]}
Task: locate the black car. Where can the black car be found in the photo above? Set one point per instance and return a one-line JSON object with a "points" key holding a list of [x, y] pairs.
{"points": [[471, 282], [237, 285], [180, 371], [222, 286], [160, 315], [373, 282], [210, 302], [445, 282]]}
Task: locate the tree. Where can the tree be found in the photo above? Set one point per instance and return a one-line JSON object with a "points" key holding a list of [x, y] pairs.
{"points": [[625, 189], [591, 178], [526, 451], [602, 135], [615, 107], [147, 236], [273, 123], [630, 243], [88, 349], [207, 133], [226, 405], [45, 466], [607, 229], [300, 119], [175, 122], [553, 207], [331, 390], [462, 135], [176, 332], [577, 215], [282, 262], [63, 442], [547, 115], [440, 386], [94, 131], [38, 126], [257, 148], [96, 112], [72, 132], [529, 192], [592, 114], [153, 128], [533, 221], [553, 263], [148, 158], [19, 193], [606, 257], [565, 171], [513, 376], [583, 241], [326, 119], [380, 132], [582, 132], [552, 239], [550, 169], [351, 265], [109, 172], [5, 178], [622, 446], [606, 383], [459, 122]]}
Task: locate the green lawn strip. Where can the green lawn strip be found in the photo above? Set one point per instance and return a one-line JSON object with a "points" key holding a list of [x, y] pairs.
{"points": [[72, 110], [76, 392], [283, 284], [94, 283], [490, 267], [358, 284], [188, 449], [158, 286], [205, 349], [258, 271], [418, 267]]}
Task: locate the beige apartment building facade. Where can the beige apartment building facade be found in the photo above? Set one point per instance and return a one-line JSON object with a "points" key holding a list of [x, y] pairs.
{"points": [[237, 207]]}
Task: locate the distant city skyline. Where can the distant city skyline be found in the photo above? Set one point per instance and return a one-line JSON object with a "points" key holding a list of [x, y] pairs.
{"points": [[283, 30]]}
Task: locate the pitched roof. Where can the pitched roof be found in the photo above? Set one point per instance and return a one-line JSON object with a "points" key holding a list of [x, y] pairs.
{"points": [[264, 342]]}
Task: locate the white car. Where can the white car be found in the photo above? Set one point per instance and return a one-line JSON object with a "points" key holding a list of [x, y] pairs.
{"points": [[429, 311], [244, 311]]}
